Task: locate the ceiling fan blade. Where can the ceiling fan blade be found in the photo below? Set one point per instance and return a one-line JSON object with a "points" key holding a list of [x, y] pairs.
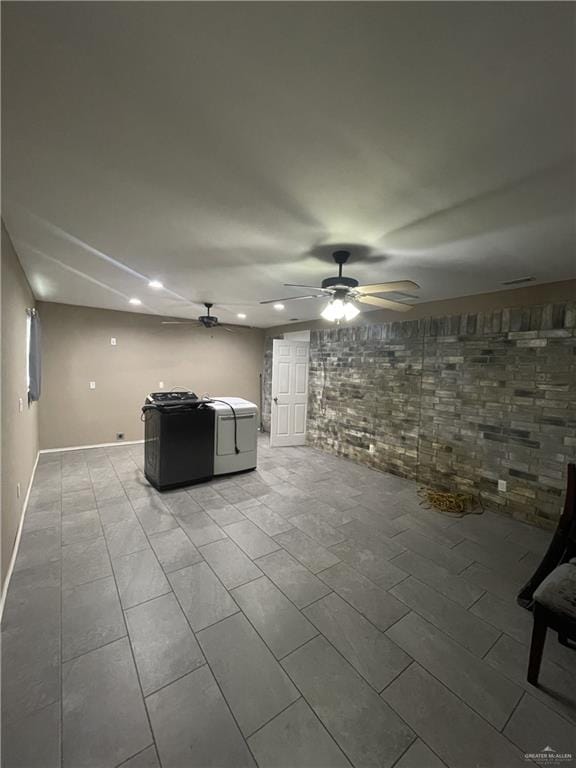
{"points": [[297, 285], [179, 322], [384, 303], [294, 298], [230, 330], [396, 285]]}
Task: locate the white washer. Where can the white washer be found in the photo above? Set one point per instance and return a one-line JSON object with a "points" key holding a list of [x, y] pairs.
{"points": [[225, 457]]}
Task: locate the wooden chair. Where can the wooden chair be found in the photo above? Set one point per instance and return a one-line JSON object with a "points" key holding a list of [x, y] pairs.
{"points": [[551, 592]]}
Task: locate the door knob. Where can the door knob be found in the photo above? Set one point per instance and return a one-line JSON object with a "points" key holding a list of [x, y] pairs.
{"points": [[276, 400]]}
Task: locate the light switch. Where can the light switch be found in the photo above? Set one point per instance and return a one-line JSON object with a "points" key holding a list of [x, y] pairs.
{"points": [[502, 486], [113, 341], [92, 385], [20, 405], [160, 385]]}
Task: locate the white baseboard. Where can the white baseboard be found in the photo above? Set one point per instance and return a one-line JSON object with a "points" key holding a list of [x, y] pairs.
{"points": [[17, 540], [86, 447], [25, 507]]}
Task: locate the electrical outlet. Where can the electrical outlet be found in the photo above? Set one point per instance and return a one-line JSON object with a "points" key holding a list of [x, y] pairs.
{"points": [[17, 490], [502, 485], [20, 405], [113, 341], [92, 385], [372, 448], [160, 385], [119, 435]]}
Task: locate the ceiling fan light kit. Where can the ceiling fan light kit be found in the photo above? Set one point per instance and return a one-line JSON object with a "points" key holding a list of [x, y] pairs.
{"points": [[338, 310], [343, 291]]}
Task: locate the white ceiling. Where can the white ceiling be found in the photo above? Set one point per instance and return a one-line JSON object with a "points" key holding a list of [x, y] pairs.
{"points": [[222, 147]]}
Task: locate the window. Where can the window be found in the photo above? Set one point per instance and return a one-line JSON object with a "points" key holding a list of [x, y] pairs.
{"points": [[28, 335], [33, 357]]}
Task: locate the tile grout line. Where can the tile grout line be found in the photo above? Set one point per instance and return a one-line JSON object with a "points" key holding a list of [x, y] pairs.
{"points": [[399, 674], [279, 659], [321, 634], [487, 653], [300, 611], [209, 626], [308, 703], [98, 647], [224, 699], [416, 737], [463, 702], [514, 708], [385, 592], [180, 677], [525, 694], [308, 605], [289, 653], [22, 718], [477, 600], [137, 754], [260, 727], [457, 605], [530, 692], [130, 646]]}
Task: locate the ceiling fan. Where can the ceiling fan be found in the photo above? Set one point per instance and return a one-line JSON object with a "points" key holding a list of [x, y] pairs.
{"points": [[206, 321], [344, 291]]}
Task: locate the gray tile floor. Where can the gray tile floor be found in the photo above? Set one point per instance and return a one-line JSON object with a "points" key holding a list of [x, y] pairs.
{"points": [[306, 615]]}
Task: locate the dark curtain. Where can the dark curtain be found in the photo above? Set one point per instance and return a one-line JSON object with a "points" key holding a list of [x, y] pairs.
{"points": [[34, 358]]}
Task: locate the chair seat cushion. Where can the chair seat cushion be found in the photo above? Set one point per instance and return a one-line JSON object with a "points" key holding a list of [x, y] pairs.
{"points": [[557, 592]]}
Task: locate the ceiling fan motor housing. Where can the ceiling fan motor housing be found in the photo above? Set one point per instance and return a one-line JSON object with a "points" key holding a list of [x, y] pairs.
{"points": [[208, 321], [339, 282]]}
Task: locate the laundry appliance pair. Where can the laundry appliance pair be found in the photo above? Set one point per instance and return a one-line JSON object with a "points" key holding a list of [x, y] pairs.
{"points": [[189, 439]]}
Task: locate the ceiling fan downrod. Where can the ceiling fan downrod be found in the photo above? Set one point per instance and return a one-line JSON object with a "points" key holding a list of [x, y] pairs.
{"points": [[340, 257]]}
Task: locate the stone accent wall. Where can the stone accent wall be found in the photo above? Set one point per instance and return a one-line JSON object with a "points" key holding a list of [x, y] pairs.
{"points": [[457, 402]]}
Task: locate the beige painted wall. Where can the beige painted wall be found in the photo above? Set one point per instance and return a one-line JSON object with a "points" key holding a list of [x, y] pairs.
{"points": [[77, 350], [19, 430], [481, 302]]}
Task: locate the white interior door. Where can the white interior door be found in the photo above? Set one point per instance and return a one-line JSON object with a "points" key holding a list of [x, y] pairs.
{"points": [[289, 392]]}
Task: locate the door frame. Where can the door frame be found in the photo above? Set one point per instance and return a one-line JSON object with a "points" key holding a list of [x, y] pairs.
{"points": [[295, 338]]}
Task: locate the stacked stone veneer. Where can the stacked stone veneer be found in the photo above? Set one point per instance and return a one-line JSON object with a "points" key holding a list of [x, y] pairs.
{"points": [[456, 402]]}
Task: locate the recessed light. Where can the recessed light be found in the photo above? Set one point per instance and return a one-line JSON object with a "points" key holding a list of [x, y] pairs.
{"points": [[278, 306], [155, 284], [241, 315], [135, 301]]}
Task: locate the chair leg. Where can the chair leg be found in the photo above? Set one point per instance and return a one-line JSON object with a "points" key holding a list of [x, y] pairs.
{"points": [[537, 645]]}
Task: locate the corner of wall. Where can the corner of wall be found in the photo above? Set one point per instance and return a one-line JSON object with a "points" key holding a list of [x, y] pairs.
{"points": [[19, 422]]}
